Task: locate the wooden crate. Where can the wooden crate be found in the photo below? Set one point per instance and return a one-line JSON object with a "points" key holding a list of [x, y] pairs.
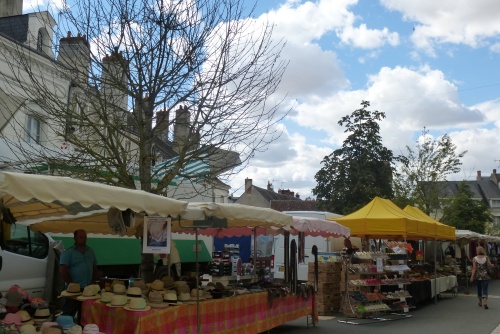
{"points": [[324, 277], [334, 299], [326, 309], [325, 267]]}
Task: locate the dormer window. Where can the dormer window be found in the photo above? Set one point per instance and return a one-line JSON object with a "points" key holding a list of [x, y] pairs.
{"points": [[39, 41]]}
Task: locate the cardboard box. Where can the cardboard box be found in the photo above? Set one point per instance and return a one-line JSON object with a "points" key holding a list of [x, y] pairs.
{"points": [[325, 267]]}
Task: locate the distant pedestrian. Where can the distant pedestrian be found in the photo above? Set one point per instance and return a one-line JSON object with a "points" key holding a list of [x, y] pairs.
{"points": [[479, 273]]}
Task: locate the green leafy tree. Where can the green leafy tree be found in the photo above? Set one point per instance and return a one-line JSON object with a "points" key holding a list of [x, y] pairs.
{"points": [[465, 213], [361, 169], [422, 170]]}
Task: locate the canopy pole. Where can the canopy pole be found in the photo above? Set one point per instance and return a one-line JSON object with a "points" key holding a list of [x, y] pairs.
{"points": [[255, 254], [435, 271], [197, 285]]}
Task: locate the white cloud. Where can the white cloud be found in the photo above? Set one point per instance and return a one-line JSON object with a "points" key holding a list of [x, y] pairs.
{"points": [[449, 21], [411, 99], [365, 38], [293, 171], [495, 48], [315, 18]]}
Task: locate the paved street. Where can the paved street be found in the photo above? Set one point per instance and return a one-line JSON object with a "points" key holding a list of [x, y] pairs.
{"points": [[456, 315]]}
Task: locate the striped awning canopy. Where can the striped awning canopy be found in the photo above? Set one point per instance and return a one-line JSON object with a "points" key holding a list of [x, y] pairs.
{"points": [[196, 168]]}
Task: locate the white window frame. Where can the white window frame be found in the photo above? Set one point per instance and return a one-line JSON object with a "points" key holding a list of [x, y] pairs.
{"points": [[495, 203], [33, 130]]}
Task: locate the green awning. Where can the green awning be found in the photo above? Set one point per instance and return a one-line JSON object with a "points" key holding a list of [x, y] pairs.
{"points": [[186, 249], [111, 251], [117, 251]]}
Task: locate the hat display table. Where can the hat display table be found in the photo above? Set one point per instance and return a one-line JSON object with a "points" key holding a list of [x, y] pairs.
{"points": [[226, 280], [250, 313]]}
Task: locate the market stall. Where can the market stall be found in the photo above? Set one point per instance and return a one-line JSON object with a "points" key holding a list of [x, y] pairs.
{"points": [[382, 219], [62, 205], [250, 313]]}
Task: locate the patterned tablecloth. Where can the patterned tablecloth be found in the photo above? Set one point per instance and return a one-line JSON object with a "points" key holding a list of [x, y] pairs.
{"points": [[249, 313]]}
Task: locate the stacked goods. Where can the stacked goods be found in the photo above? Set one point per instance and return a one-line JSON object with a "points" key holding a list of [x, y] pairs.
{"points": [[350, 305], [221, 264], [328, 297]]}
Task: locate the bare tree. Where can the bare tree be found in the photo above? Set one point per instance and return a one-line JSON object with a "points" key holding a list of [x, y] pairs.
{"points": [[420, 179], [139, 82]]}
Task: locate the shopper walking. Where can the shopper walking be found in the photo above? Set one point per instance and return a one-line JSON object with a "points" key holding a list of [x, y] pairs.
{"points": [[479, 273]]}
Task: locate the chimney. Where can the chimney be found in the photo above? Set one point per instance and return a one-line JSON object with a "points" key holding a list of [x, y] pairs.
{"points": [[478, 177], [114, 83], [74, 52], [270, 186], [162, 122], [11, 8], [297, 195], [181, 128], [248, 186]]}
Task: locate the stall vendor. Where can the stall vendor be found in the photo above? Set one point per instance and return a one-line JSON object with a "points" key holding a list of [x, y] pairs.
{"points": [[78, 264]]}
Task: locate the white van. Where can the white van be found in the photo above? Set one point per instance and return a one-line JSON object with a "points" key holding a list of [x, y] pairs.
{"points": [[23, 259], [322, 243]]}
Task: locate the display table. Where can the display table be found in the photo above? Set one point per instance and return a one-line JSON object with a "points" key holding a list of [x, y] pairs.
{"points": [[442, 284], [426, 289], [250, 313], [226, 280]]}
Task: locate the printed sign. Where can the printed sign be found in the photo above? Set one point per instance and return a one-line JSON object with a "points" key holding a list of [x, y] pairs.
{"points": [[157, 235]]}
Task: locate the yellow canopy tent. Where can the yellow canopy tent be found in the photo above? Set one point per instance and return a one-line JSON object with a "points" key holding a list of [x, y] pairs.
{"points": [[381, 219], [439, 230]]}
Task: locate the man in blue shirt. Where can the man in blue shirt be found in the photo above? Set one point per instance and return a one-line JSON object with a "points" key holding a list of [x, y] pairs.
{"points": [[78, 264]]}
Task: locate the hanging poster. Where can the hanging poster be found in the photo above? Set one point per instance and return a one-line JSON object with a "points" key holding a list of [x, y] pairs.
{"points": [[157, 230]]}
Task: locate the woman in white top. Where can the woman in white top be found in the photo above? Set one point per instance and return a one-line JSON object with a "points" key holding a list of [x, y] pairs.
{"points": [[480, 273]]}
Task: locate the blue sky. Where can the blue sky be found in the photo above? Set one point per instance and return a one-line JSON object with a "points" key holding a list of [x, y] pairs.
{"points": [[425, 63]]}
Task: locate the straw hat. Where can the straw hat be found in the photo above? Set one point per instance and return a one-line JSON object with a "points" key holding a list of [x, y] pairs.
{"points": [[72, 290], [141, 285], [119, 289], [76, 329], [106, 297], [137, 304], [184, 297], [180, 283], [207, 294], [170, 297], [28, 329], [42, 315], [65, 321], [198, 292], [53, 330], [91, 329], [25, 317], [182, 288], [12, 318], [90, 292], [134, 292], [47, 325], [157, 285], [156, 300], [117, 301], [220, 286], [117, 281], [168, 282]]}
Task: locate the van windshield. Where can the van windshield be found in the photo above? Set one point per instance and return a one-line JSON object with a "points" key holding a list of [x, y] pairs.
{"points": [[21, 240]]}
